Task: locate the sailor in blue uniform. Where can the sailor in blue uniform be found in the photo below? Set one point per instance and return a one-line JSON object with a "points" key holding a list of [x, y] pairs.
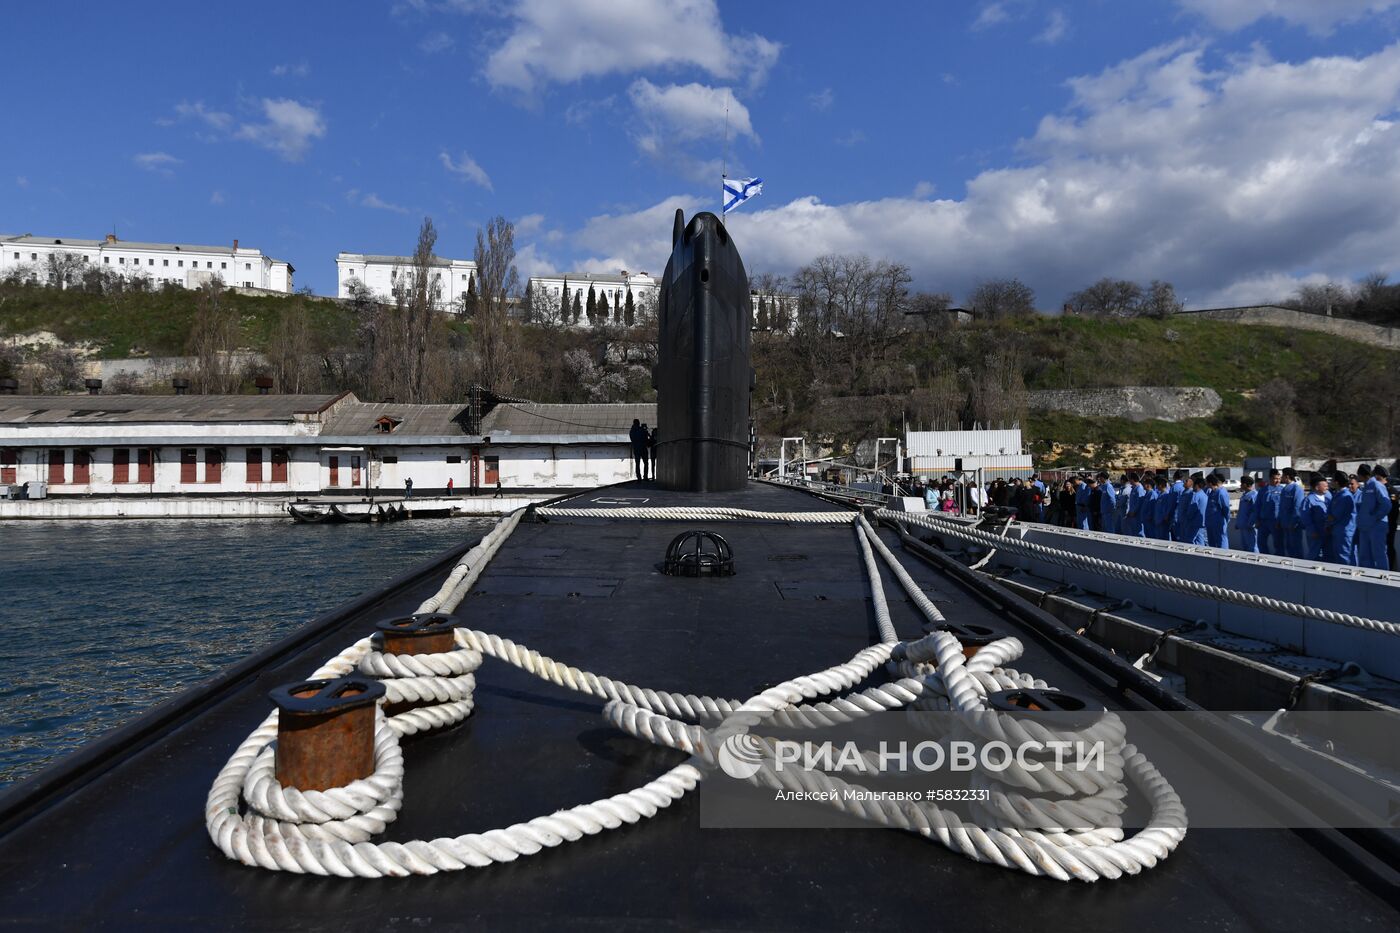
{"points": [[1040, 490], [1313, 518], [1217, 513], [1266, 516], [1139, 514], [1120, 508], [1191, 515], [1244, 518], [1162, 509], [1290, 513], [1341, 522], [1081, 503], [1108, 505], [1173, 497], [1371, 512]]}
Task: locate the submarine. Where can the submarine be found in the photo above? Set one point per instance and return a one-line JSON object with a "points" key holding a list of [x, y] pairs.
{"points": [[518, 733]]}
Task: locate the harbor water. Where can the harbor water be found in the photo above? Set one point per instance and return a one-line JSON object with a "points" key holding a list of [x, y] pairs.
{"points": [[103, 620]]}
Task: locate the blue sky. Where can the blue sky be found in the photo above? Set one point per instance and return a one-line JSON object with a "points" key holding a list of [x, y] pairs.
{"points": [[1234, 147]]}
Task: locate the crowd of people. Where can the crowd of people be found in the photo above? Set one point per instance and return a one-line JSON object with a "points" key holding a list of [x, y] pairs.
{"points": [[1341, 518]]}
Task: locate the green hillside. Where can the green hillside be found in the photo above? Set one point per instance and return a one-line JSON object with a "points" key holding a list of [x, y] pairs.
{"points": [[1281, 389]]}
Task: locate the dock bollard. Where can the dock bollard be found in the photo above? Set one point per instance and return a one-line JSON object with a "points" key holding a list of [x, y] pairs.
{"points": [[325, 731], [424, 633]]}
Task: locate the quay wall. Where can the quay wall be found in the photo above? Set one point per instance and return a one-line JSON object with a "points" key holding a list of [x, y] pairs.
{"points": [[1136, 403], [218, 507]]}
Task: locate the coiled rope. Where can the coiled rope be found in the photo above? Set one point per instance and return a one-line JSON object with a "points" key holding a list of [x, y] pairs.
{"points": [[1135, 574], [1065, 830]]}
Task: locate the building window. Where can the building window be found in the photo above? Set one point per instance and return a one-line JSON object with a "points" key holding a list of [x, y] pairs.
{"points": [[180, 263], [9, 465], [454, 459], [208, 265], [165, 262], [121, 260], [247, 266], [57, 461], [189, 465], [105, 259], [213, 464], [223, 265], [335, 470], [390, 458], [121, 465], [82, 467], [279, 464], [254, 470], [493, 470], [145, 465], [150, 262], [33, 257]]}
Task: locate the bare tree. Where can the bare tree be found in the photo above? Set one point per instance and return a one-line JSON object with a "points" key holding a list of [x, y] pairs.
{"points": [[213, 338], [289, 349], [496, 334], [1107, 298], [1001, 298]]}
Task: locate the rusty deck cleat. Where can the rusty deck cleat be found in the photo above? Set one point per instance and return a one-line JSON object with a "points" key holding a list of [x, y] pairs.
{"points": [[325, 731]]}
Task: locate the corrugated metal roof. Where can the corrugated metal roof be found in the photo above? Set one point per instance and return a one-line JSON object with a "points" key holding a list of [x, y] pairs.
{"points": [[571, 420], [130, 409], [362, 418], [993, 442]]}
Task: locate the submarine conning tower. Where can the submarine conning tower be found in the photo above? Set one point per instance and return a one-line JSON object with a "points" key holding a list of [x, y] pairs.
{"points": [[703, 373]]}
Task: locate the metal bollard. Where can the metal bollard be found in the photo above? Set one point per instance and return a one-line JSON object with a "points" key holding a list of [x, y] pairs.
{"points": [[973, 637], [424, 633], [325, 731]]}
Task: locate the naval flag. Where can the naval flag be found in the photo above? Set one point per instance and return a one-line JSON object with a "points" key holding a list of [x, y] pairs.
{"points": [[739, 190]]}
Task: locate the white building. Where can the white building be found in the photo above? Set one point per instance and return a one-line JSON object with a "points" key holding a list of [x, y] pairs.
{"points": [[37, 259], [383, 275], [995, 451], [193, 445], [548, 292]]}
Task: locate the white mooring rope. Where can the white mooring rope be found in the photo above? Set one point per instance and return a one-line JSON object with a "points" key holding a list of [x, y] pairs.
{"points": [[1059, 825]]}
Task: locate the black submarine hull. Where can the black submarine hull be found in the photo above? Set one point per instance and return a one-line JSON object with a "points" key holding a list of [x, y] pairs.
{"points": [[703, 373]]}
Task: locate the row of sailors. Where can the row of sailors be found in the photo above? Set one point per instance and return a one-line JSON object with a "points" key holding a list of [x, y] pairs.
{"points": [[1277, 515]]}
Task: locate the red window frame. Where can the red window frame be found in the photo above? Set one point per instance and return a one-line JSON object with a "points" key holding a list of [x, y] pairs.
{"points": [[279, 464], [335, 470], [82, 467], [493, 469], [58, 460], [145, 465], [213, 464], [254, 470], [121, 465], [189, 464], [9, 465]]}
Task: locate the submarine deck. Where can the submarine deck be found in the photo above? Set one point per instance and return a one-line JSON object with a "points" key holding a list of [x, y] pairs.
{"points": [[123, 843]]}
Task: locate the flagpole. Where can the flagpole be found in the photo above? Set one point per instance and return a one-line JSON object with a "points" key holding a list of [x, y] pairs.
{"points": [[724, 161]]}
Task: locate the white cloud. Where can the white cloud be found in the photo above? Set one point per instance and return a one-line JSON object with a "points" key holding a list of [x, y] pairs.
{"points": [[1233, 181], [1319, 16], [991, 14], [552, 42], [291, 70], [1056, 28], [436, 42], [529, 261], [924, 189], [822, 100], [288, 127], [216, 198], [467, 168], [214, 119], [371, 200], [161, 162], [668, 118], [529, 224], [689, 111]]}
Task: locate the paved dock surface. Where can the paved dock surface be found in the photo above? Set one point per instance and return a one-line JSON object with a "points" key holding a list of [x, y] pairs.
{"points": [[129, 849]]}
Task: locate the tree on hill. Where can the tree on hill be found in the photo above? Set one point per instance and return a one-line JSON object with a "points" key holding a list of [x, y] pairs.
{"points": [[1107, 298], [629, 311], [213, 338], [469, 300], [578, 307], [564, 310], [604, 313], [499, 361], [592, 306], [995, 299]]}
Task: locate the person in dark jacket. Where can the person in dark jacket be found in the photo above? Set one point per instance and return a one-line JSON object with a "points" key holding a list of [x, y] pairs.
{"points": [[638, 437], [1313, 518], [651, 450]]}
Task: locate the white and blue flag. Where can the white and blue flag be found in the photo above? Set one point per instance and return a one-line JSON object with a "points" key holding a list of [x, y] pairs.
{"points": [[739, 190]]}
